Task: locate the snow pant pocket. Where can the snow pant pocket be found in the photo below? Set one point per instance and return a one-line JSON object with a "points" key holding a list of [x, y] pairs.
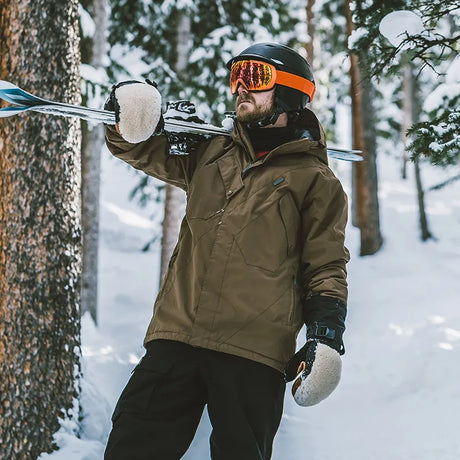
{"points": [[159, 410], [139, 394]]}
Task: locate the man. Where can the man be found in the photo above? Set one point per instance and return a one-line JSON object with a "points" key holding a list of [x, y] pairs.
{"points": [[260, 253]]}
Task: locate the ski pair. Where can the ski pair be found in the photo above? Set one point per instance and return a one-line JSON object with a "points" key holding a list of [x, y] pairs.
{"points": [[25, 101]]}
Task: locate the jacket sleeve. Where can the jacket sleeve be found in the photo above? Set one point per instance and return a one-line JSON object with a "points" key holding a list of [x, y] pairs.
{"points": [[324, 255], [152, 156]]}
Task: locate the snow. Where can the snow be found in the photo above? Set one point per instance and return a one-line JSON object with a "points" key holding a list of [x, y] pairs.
{"points": [[399, 397], [395, 26], [447, 89], [355, 36], [88, 25]]}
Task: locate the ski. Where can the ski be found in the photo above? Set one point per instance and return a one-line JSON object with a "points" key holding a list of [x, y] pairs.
{"points": [[25, 101]]}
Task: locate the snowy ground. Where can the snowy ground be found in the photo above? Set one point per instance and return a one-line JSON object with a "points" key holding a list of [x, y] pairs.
{"points": [[400, 393]]}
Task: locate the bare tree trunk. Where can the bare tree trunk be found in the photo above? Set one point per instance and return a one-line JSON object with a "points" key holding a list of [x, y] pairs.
{"points": [[40, 247], [411, 111], [174, 197], [358, 191], [91, 170], [371, 238], [310, 45], [407, 113], [311, 23], [424, 229], [365, 207], [174, 211]]}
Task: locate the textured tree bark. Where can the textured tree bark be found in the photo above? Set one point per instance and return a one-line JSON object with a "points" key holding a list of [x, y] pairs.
{"points": [[174, 197], [40, 255], [371, 238], [91, 170], [365, 207]]}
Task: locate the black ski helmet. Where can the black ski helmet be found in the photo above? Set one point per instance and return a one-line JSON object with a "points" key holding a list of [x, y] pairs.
{"points": [[284, 59]]}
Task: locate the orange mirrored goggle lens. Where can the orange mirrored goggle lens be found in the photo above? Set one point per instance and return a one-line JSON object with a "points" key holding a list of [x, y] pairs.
{"points": [[261, 76], [253, 75]]}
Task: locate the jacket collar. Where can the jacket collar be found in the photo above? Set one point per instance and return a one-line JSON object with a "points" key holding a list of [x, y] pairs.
{"points": [[310, 139]]}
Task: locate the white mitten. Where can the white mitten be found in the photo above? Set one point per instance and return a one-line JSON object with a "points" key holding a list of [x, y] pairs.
{"points": [[317, 383], [318, 368], [317, 365], [137, 107]]}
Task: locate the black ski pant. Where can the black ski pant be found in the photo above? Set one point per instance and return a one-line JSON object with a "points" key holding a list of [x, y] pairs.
{"points": [[160, 408]]}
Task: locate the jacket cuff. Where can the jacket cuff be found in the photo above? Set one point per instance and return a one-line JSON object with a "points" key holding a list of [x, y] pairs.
{"points": [[324, 318]]}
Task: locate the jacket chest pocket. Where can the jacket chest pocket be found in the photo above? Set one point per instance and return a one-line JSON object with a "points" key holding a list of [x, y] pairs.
{"points": [[206, 194], [212, 186], [268, 239]]}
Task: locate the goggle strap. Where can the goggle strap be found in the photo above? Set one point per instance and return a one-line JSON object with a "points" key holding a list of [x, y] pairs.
{"points": [[295, 82]]}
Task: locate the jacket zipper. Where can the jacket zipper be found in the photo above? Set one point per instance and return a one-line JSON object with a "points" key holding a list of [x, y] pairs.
{"points": [[292, 306]]}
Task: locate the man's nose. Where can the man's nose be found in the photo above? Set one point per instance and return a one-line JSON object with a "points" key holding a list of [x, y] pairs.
{"points": [[241, 89]]}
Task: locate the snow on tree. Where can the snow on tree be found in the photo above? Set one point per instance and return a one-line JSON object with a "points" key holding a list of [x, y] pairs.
{"points": [[431, 44]]}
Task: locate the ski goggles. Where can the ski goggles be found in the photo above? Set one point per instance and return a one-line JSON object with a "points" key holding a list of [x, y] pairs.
{"points": [[262, 76]]}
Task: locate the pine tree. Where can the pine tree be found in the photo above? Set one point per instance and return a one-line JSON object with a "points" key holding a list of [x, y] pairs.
{"points": [[40, 257]]}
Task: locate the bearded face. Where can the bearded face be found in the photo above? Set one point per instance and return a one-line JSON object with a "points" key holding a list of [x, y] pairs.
{"points": [[254, 106]]}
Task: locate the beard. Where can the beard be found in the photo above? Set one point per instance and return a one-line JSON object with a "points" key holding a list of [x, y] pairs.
{"points": [[252, 112]]}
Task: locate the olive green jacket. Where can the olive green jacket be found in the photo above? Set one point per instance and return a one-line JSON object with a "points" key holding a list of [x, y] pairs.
{"points": [[258, 236]]}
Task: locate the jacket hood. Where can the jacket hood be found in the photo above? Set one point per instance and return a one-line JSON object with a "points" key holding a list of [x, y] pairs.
{"points": [[309, 138]]}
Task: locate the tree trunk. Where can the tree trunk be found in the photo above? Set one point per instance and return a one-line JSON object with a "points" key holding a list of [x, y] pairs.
{"points": [[407, 112], [365, 207], [174, 197], [424, 229], [309, 46], [40, 253], [91, 169], [371, 238], [174, 211], [411, 113], [358, 195]]}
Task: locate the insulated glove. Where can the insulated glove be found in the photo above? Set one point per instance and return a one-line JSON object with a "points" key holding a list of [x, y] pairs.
{"points": [[137, 107], [317, 365]]}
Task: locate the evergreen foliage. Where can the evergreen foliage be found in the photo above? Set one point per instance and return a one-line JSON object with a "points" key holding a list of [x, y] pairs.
{"points": [[218, 30], [435, 49], [438, 138], [331, 64]]}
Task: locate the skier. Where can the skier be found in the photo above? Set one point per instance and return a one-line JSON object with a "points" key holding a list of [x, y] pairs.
{"points": [[260, 253]]}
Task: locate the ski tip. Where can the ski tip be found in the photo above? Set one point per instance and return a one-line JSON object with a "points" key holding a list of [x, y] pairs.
{"points": [[7, 85], [345, 155], [11, 111]]}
